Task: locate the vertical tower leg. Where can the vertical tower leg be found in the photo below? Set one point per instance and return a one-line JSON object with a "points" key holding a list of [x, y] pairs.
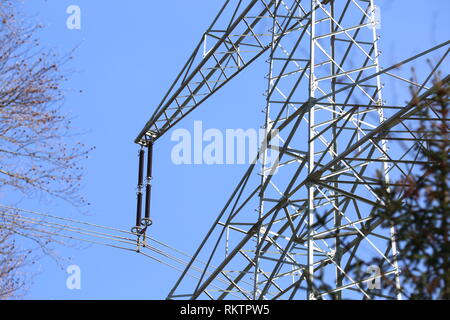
{"points": [[267, 129], [384, 146], [311, 155]]}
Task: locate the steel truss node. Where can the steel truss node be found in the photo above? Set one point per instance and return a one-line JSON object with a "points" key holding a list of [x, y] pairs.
{"points": [[324, 101]]}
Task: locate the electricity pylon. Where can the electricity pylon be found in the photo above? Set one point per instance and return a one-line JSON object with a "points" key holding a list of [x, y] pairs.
{"points": [[309, 216]]}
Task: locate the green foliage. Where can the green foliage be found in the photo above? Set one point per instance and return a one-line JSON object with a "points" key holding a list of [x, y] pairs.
{"points": [[420, 210]]}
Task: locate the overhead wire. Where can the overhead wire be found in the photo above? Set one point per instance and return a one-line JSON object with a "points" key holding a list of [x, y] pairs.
{"points": [[68, 228], [87, 232], [36, 223], [66, 219]]}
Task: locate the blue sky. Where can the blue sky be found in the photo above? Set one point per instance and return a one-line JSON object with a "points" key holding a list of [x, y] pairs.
{"points": [[127, 55]]}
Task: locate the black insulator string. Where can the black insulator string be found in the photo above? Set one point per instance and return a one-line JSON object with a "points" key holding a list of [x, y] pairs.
{"points": [[139, 188], [148, 187]]}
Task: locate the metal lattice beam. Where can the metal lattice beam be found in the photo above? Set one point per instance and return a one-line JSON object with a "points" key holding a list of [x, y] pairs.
{"points": [[324, 103]]}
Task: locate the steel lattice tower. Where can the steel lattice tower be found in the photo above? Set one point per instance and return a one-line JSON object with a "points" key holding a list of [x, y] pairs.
{"points": [[334, 134]]}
